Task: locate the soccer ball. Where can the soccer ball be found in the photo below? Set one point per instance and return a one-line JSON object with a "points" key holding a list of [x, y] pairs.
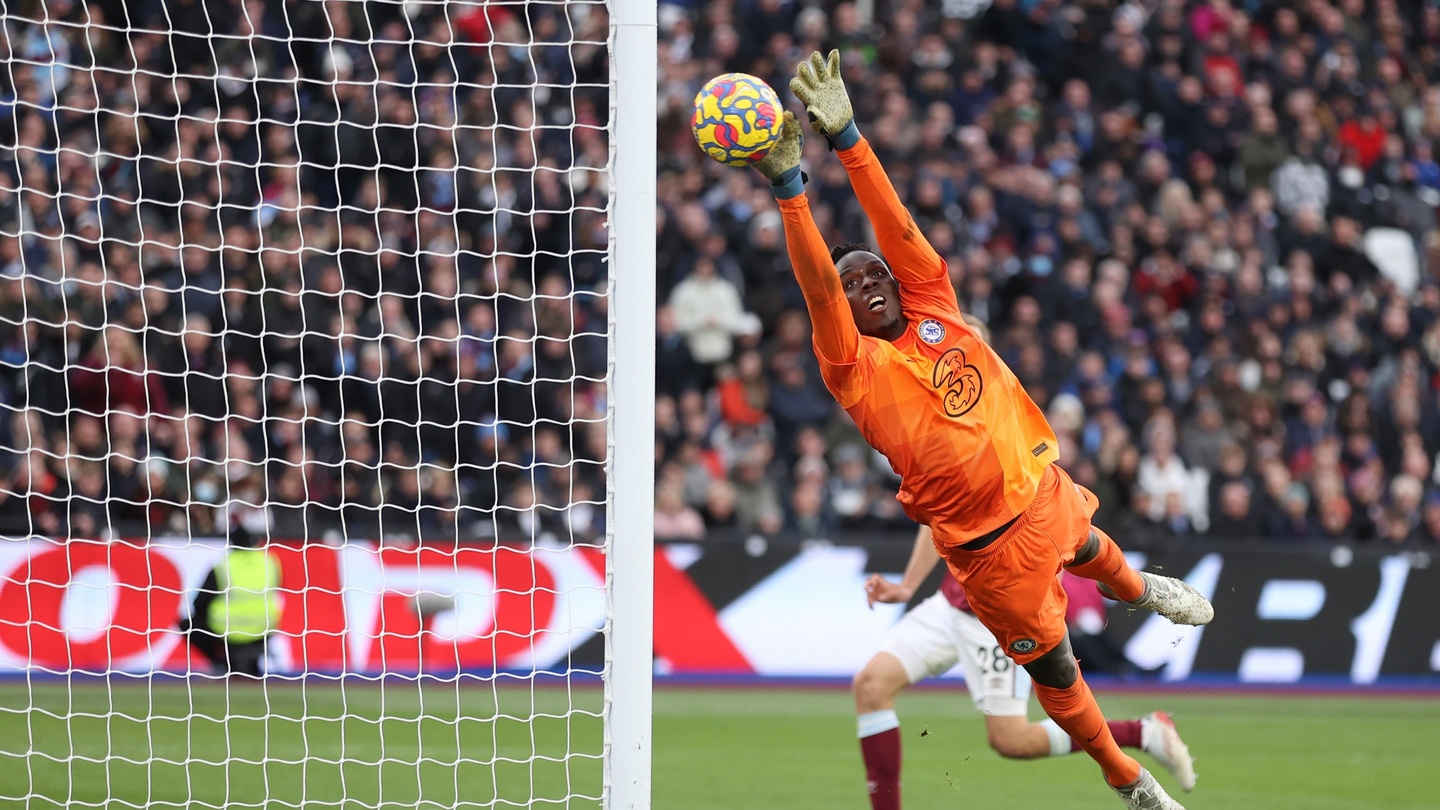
{"points": [[737, 119]]}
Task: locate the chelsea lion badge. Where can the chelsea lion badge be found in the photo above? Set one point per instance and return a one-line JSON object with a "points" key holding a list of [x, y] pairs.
{"points": [[931, 331]]}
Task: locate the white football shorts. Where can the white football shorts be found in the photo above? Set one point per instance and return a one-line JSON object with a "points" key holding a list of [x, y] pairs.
{"points": [[931, 639]]}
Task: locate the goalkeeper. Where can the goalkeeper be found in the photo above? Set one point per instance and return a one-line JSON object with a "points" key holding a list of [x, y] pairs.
{"points": [[975, 454]]}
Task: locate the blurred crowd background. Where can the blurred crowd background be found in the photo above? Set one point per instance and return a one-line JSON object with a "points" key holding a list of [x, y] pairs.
{"points": [[332, 269], [267, 264], [1203, 235]]}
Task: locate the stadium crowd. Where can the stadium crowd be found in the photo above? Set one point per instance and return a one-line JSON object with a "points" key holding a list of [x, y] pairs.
{"points": [[1203, 234], [270, 262]]}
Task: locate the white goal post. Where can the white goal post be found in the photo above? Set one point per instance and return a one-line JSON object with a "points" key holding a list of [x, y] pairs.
{"points": [[326, 403], [631, 555]]}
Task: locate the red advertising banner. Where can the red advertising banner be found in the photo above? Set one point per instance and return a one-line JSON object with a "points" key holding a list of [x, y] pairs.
{"points": [[83, 606], [782, 610]]}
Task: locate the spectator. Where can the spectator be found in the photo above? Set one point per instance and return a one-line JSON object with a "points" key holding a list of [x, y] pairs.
{"points": [[719, 509], [744, 392], [1427, 534], [1162, 474], [698, 470], [1294, 519], [1300, 183], [1335, 513], [708, 312], [809, 516], [1407, 496], [675, 367], [1262, 150], [1204, 439], [757, 500], [114, 374], [850, 487], [674, 520], [1233, 514], [796, 402]]}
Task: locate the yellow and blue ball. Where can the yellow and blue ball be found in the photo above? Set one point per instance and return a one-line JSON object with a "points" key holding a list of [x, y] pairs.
{"points": [[737, 119]]}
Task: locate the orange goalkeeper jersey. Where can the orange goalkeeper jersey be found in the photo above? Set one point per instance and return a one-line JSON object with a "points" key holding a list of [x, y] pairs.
{"points": [[967, 441]]}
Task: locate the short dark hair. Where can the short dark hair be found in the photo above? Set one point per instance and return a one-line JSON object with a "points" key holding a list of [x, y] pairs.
{"points": [[841, 251]]}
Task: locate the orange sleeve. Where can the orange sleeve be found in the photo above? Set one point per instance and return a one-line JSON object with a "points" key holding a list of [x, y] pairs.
{"points": [[836, 337], [919, 269]]}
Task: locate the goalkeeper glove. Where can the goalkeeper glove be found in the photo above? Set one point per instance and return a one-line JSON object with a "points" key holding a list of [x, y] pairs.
{"points": [[782, 163], [817, 83]]}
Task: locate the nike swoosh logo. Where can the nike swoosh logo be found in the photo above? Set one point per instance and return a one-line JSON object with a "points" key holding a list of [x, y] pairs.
{"points": [[1097, 734]]}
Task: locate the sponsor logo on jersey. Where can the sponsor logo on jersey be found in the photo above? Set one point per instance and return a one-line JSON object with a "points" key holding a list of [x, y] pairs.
{"points": [[1022, 645], [959, 381], [931, 331]]}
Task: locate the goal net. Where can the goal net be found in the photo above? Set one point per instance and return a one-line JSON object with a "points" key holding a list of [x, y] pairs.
{"points": [[310, 404]]}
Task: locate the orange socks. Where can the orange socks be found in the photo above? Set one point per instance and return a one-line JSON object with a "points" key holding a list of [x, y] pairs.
{"points": [[1074, 709], [1109, 567]]}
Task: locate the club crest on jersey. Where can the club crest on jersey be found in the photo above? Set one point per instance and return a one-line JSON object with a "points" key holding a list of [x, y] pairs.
{"points": [[1022, 645], [931, 331], [958, 381]]}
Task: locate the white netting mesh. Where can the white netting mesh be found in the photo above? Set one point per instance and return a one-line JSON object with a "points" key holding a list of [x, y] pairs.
{"points": [[327, 278]]}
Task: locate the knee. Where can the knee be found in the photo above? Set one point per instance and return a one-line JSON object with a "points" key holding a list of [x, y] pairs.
{"points": [[1056, 669], [1087, 552], [873, 691]]}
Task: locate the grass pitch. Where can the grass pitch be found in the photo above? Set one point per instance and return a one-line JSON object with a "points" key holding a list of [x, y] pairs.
{"points": [[317, 745]]}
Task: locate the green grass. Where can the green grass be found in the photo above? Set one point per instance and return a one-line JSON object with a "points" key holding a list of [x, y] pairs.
{"points": [[1260, 752], [363, 746], [289, 745]]}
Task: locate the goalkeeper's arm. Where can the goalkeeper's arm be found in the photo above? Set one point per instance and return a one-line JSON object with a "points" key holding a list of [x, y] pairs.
{"points": [[836, 336], [818, 84]]}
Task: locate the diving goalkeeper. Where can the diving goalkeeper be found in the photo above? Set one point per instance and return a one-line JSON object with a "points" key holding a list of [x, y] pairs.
{"points": [[975, 455]]}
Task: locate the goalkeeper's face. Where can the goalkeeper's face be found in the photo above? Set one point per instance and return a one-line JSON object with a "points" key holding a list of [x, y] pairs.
{"points": [[874, 295]]}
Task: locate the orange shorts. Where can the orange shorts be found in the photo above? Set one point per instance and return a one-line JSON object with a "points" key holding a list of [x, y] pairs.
{"points": [[1014, 583]]}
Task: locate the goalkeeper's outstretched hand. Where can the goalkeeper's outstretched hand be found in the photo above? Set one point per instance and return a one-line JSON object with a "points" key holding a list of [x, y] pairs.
{"points": [[818, 85], [782, 163]]}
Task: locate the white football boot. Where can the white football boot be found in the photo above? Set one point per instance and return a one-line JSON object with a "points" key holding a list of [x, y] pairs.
{"points": [[1170, 597], [1159, 739], [1146, 794]]}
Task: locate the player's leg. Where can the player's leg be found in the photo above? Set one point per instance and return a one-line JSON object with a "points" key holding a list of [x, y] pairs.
{"points": [[919, 646], [878, 727], [1067, 700], [1161, 740], [1015, 590], [878, 683], [1155, 734], [1035, 638], [1100, 558], [1001, 691], [1015, 737], [1064, 518]]}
